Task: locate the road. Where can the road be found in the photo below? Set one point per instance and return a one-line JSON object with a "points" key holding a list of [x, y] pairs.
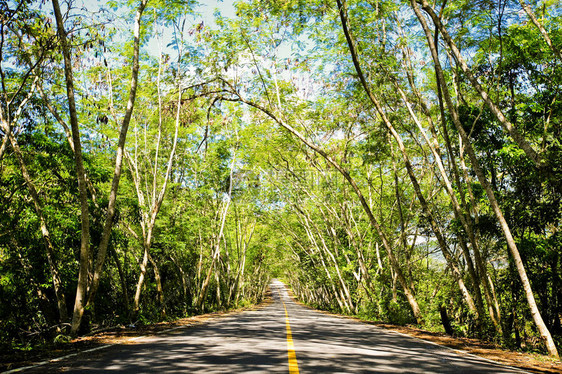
{"points": [[280, 338]]}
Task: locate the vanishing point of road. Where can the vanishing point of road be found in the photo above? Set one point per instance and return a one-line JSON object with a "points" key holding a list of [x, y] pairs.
{"points": [[282, 337]]}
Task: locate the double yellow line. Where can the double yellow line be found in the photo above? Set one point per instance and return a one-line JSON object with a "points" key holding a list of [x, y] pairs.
{"points": [[293, 366]]}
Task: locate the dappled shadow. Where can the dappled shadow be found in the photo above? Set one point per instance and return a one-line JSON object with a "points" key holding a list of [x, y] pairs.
{"points": [[327, 344], [331, 344], [255, 341], [250, 342]]}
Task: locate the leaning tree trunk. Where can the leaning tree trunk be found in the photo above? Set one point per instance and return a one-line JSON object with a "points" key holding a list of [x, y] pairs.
{"points": [[408, 291], [111, 205], [140, 282], [425, 206], [458, 208], [155, 199], [541, 326], [216, 252], [459, 214], [57, 283], [506, 124], [541, 29]]}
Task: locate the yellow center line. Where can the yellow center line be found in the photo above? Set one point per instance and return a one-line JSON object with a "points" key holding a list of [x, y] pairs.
{"points": [[293, 366]]}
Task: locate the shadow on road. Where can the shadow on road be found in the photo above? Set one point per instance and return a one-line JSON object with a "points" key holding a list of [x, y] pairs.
{"points": [[255, 341]]}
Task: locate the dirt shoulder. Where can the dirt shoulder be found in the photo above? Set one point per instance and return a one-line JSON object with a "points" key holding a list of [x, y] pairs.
{"points": [[534, 363], [115, 335]]}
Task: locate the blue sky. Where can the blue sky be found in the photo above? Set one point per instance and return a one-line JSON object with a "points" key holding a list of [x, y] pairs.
{"points": [[208, 7], [204, 12]]}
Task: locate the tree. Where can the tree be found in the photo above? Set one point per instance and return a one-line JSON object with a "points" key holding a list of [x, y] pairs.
{"points": [[545, 333], [82, 287]]}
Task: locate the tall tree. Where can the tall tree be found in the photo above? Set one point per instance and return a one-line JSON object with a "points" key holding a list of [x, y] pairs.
{"points": [[512, 246], [82, 296]]}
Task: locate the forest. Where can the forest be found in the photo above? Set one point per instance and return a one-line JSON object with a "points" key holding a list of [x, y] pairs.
{"points": [[394, 160]]}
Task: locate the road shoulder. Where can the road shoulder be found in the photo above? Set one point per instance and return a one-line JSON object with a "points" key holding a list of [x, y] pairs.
{"points": [[118, 335], [534, 363]]}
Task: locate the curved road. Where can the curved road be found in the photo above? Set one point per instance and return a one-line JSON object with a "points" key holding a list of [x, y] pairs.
{"points": [[280, 338]]}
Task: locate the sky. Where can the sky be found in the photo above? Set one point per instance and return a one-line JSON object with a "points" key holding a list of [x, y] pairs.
{"points": [[204, 12], [206, 8]]}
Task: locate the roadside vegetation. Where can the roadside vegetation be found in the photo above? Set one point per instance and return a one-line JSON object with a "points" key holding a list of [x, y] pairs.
{"points": [[394, 160]]}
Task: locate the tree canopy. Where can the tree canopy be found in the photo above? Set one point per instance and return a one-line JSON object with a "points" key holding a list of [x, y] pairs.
{"points": [[395, 160]]}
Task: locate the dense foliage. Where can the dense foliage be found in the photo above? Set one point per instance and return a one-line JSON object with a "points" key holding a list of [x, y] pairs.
{"points": [[390, 159]]}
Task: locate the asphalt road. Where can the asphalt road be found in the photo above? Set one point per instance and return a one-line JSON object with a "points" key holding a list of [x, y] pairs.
{"points": [[258, 342]]}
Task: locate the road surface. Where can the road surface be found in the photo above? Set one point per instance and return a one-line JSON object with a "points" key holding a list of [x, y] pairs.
{"points": [[283, 337]]}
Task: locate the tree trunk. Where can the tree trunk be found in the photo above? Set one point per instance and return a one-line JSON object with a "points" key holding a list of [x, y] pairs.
{"points": [[426, 209], [106, 233], [49, 249], [445, 320], [83, 271], [507, 125], [372, 220], [344, 290], [216, 253], [459, 214], [159, 289], [541, 326], [140, 282], [152, 203], [541, 28], [218, 281], [126, 301]]}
